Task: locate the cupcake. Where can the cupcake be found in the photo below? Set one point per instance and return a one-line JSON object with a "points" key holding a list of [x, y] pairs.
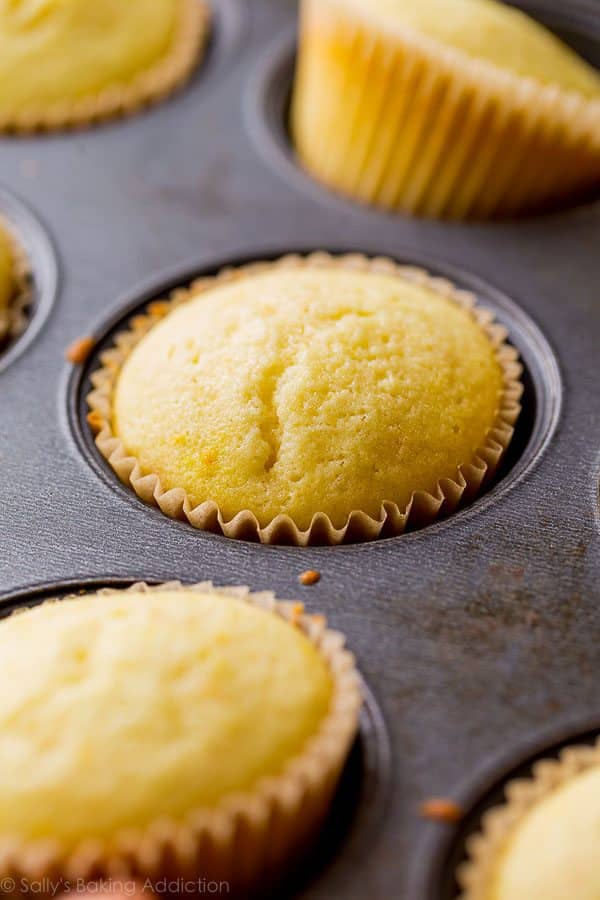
{"points": [[169, 732], [13, 284], [311, 400], [544, 842], [444, 108], [68, 62]]}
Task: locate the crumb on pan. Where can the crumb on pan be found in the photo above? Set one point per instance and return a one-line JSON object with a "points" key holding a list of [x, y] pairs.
{"points": [[311, 576], [440, 809], [79, 350]]}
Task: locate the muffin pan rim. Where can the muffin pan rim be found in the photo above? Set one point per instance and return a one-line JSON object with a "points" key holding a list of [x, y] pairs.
{"points": [[475, 792], [228, 22], [41, 256], [377, 774], [547, 381]]}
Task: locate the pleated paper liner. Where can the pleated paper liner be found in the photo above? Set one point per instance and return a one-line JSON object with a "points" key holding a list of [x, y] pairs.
{"points": [[423, 507], [249, 838], [123, 99], [13, 319], [395, 119], [485, 848]]}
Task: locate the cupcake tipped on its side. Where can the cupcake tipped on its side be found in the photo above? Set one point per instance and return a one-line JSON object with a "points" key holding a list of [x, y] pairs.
{"points": [[444, 108]]}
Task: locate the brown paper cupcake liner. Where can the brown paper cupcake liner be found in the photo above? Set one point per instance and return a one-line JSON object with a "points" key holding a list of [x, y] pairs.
{"points": [[486, 846], [422, 128], [423, 507], [248, 838], [123, 99], [13, 320]]}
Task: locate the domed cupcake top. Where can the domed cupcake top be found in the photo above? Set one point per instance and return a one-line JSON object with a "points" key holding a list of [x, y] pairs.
{"points": [[65, 61], [308, 390], [124, 708], [490, 31]]}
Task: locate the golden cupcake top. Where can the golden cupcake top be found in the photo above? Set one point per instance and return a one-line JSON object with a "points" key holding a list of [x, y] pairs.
{"points": [[7, 281], [69, 60], [123, 708], [489, 31], [308, 389], [553, 851]]}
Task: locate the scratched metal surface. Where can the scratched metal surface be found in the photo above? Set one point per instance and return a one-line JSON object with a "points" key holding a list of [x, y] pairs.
{"points": [[474, 635]]}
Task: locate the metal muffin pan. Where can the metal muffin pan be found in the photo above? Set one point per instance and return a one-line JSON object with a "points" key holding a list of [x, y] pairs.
{"points": [[473, 634]]}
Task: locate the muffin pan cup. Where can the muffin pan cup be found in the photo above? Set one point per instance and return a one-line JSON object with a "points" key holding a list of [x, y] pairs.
{"points": [[424, 507], [472, 633], [36, 277], [495, 797], [13, 318], [247, 838], [422, 119], [521, 797], [281, 833]]}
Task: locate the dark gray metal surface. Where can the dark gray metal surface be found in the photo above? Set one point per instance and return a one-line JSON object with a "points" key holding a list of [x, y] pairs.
{"points": [[473, 634]]}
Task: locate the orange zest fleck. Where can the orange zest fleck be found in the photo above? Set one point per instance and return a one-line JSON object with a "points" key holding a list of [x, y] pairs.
{"points": [[296, 613], [95, 420], [159, 308]]}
